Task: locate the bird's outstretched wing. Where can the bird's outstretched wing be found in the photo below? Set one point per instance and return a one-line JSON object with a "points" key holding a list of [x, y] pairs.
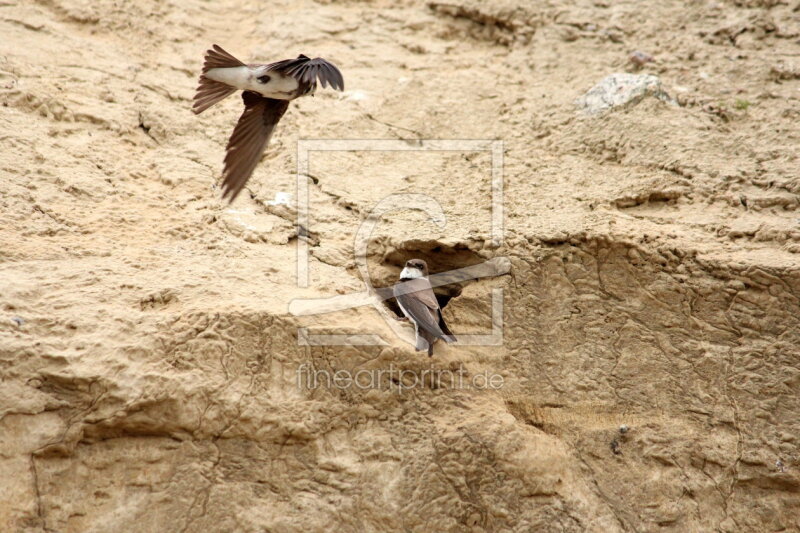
{"points": [[249, 140], [307, 70]]}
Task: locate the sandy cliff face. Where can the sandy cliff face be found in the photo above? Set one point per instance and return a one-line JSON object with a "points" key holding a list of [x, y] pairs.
{"points": [[150, 373]]}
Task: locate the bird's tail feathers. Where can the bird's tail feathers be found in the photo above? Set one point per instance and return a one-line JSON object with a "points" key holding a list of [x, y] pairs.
{"points": [[423, 342], [209, 92], [216, 57]]}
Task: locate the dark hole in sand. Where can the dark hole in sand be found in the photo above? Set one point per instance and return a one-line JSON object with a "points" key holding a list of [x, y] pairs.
{"points": [[385, 269]]}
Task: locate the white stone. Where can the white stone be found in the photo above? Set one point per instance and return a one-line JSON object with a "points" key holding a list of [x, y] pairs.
{"points": [[619, 90]]}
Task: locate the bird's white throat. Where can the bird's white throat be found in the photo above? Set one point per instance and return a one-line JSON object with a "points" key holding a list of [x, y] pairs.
{"points": [[411, 273]]}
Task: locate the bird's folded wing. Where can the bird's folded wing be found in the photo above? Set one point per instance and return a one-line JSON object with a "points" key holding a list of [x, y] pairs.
{"points": [[421, 288], [306, 70], [449, 337], [421, 313], [249, 140]]}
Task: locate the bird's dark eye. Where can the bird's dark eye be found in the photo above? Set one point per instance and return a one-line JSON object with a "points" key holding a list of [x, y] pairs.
{"points": [[263, 79]]}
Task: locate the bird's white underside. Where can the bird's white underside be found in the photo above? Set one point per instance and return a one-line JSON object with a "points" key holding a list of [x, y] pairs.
{"points": [[403, 309], [245, 78]]}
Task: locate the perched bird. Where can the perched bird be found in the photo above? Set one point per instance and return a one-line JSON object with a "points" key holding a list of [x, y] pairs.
{"points": [[267, 92], [416, 299]]}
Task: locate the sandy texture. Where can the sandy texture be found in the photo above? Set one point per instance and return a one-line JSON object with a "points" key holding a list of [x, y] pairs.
{"points": [[148, 360]]}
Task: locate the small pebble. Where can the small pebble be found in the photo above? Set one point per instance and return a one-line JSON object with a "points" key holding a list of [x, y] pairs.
{"points": [[623, 429], [615, 447], [19, 321], [640, 59]]}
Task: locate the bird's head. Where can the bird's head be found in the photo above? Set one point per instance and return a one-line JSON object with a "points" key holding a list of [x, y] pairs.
{"points": [[415, 268]]}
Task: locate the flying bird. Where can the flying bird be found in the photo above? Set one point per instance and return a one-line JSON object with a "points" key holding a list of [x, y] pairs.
{"points": [[267, 91], [416, 299]]}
